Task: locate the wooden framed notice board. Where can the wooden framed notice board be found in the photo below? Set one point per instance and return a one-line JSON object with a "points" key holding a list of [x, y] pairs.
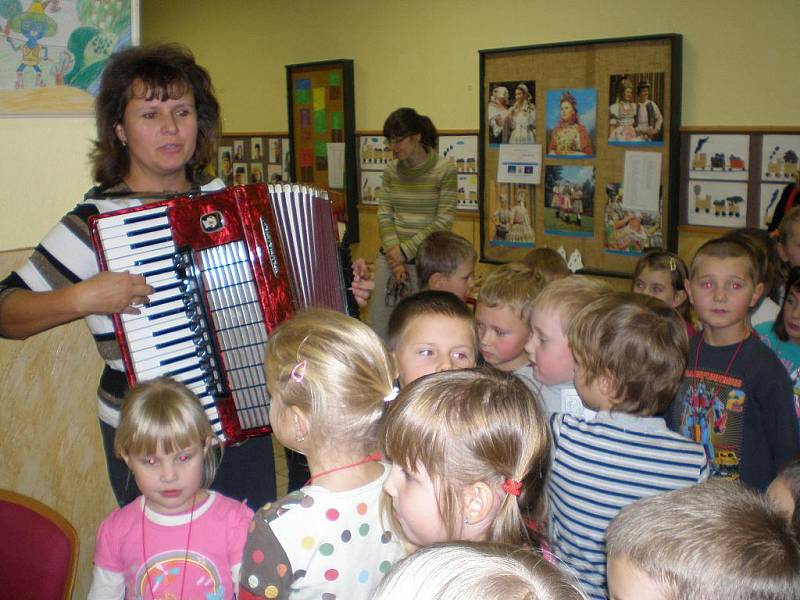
{"points": [[579, 148], [322, 112]]}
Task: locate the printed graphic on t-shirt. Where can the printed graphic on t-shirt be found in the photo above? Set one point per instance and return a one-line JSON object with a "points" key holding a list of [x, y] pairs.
{"points": [[177, 574], [712, 408]]}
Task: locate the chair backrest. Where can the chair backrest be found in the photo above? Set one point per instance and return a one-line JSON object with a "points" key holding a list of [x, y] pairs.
{"points": [[38, 551]]}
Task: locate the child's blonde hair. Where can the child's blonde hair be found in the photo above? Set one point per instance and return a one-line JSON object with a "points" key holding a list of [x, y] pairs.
{"points": [[663, 260], [713, 540], [569, 295], [548, 262], [513, 285], [452, 571], [165, 415], [468, 426], [637, 340], [337, 371]]}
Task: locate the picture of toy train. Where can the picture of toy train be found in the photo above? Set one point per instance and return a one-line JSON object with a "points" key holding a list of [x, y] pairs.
{"points": [[717, 162], [782, 166], [722, 207]]}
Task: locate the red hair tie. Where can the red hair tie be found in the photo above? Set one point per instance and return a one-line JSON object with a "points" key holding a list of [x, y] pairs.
{"points": [[512, 487]]}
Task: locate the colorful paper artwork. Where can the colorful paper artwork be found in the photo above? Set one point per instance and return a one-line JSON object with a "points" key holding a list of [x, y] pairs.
{"points": [[717, 203], [722, 157]]}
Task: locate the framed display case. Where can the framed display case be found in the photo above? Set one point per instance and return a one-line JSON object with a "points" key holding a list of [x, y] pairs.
{"points": [[322, 129], [734, 176], [579, 148]]}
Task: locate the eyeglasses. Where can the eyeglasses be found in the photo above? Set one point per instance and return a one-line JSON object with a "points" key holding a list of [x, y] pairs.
{"points": [[396, 290], [395, 140]]}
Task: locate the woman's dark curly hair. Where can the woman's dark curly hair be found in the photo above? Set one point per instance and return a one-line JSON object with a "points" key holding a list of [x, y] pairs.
{"points": [[166, 71]]}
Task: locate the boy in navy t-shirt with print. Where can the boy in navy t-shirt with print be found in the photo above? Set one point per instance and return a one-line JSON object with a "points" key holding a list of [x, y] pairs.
{"points": [[735, 397]]}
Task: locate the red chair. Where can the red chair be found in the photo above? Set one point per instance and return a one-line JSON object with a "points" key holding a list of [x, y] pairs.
{"points": [[38, 550]]}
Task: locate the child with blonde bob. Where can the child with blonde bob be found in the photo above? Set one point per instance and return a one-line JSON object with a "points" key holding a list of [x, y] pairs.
{"points": [[177, 526], [328, 377], [470, 451], [715, 540], [453, 571]]}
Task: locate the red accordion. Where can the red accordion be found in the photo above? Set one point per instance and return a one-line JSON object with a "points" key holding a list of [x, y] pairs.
{"points": [[227, 268]]}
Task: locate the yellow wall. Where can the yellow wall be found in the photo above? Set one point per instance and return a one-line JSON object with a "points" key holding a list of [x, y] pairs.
{"points": [[423, 53]]}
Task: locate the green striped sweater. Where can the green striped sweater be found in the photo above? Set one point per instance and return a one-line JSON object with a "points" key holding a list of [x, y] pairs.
{"points": [[413, 202]]}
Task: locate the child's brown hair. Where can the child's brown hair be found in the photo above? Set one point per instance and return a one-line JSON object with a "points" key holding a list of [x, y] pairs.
{"points": [[663, 260], [717, 539], [636, 340], [548, 262], [442, 252], [428, 302]]}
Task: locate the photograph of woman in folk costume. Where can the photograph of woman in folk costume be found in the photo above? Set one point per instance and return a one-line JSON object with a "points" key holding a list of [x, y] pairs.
{"points": [[571, 131]]}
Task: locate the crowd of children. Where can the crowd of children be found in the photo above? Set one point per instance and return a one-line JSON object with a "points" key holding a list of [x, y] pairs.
{"points": [[561, 440]]}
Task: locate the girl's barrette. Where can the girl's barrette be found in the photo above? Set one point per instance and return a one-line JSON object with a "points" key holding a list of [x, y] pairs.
{"points": [[392, 394], [299, 371], [510, 486], [673, 264]]}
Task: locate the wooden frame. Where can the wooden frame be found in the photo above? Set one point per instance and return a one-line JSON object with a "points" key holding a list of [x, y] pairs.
{"points": [[47, 513], [574, 73], [733, 176], [322, 110]]}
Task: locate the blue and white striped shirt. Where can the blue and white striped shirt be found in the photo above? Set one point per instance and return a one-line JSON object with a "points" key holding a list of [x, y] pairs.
{"points": [[600, 466]]}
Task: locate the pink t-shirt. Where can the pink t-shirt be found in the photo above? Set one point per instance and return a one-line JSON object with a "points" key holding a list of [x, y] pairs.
{"points": [[215, 544]]}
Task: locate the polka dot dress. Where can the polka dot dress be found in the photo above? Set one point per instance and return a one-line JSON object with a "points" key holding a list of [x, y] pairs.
{"points": [[319, 544]]}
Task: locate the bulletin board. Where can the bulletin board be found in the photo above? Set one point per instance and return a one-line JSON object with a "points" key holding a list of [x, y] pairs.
{"points": [[733, 177], [598, 109], [322, 111]]}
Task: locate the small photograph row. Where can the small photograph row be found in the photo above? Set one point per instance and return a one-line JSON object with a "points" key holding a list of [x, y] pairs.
{"points": [[572, 122], [242, 160]]}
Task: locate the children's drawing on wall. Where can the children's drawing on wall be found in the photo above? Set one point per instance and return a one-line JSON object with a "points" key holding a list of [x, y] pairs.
{"points": [[375, 153], [467, 191], [371, 184], [717, 203], [274, 150], [719, 156], [275, 174], [52, 52], [629, 231], [569, 200], [634, 111], [225, 164], [239, 173], [461, 150], [286, 160], [571, 122], [779, 157], [238, 150], [510, 212], [770, 194], [511, 112], [256, 149]]}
